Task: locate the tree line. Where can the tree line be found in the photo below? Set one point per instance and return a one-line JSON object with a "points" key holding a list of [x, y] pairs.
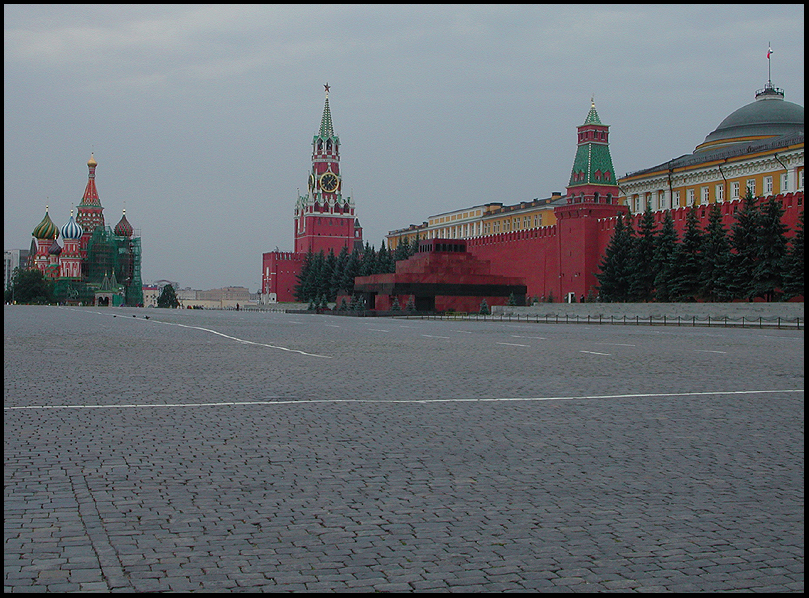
{"points": [[753, 259], [324, 275]]}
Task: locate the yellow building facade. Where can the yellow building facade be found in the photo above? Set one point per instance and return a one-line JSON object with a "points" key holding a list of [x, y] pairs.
{"points": [[759, 147], [481, 221]]}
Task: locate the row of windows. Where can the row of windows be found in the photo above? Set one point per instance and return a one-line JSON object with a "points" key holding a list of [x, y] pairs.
{"points": [[492, 227], [703, 194], [597, 135], [597, 175]]}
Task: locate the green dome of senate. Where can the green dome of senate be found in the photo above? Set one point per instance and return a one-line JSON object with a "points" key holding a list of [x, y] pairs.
{"points": [[769, 116]]}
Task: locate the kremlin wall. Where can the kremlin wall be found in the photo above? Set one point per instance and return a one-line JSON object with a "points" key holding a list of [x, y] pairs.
{"points": [[553, 246]]}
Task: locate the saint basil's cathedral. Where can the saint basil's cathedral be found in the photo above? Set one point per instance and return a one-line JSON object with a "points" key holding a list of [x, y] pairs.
{"points": [[97, 265]]}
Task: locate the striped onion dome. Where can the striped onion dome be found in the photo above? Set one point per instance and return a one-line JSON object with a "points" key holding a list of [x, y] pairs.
{"points": [[72, 230], [123, 228], [46, 229], [55, 248]]}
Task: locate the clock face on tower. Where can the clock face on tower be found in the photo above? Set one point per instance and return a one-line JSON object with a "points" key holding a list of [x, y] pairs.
{"points": [[329, 182]]}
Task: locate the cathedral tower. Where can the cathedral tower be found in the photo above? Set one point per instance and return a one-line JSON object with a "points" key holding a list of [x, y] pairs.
{"points": [[90, 213]]}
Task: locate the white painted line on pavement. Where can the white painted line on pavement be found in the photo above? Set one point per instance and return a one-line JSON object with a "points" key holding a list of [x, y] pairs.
{"points": [[708, 351], [233, 338], [240, 340], [513, 344], [423, 401], [594, 353]]}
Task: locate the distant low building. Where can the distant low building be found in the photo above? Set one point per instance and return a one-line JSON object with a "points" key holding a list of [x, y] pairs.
{"points": [[13, 258]]}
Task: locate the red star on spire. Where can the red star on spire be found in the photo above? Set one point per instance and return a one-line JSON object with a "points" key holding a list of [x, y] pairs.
{"points": [[327, 88]]}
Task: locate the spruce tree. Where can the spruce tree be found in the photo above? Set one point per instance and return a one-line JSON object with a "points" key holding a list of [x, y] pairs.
{"points": [[302, 290], [337, 275], [772, 248], [384, 261], [713, 280], [616, 266], [325, 277], [744, 245], [644, 270], [402, 251], [314, 282], [793, 266], [665, 253], [368, 263], [688, 256], [351, 271]]}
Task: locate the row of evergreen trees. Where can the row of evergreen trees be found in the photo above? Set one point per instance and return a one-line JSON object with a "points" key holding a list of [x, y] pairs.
{"points": [[322, 275], [753, 259]]}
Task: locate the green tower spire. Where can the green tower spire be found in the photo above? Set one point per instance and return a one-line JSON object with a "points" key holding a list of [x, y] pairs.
{"points": [[326, 128]]}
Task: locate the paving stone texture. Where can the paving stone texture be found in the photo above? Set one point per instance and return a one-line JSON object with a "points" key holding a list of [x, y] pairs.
{"points": [[249, 452]]}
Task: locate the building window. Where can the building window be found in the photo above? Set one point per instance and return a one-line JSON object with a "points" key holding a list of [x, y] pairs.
{"points": [[767, 185], [675, 200], [751, 186], [734, 190], [690, 198], [705, 195], [784, 183], [800, 180]]}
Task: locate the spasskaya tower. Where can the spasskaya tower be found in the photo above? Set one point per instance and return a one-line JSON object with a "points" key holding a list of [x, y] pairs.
{"points": [[324, 217]]}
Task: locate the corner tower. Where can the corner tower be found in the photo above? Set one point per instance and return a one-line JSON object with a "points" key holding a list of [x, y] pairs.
{"points": [[324, 217]]}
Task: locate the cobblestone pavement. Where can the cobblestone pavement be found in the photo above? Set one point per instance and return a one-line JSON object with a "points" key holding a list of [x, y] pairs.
{"points": [[237, 451]]}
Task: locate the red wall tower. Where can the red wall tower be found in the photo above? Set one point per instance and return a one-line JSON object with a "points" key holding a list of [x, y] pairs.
{"points": [[324, 217], [592, 194]]}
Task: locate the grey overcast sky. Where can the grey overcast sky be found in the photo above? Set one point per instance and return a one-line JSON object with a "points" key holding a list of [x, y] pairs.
{"points": [[201, 117]]}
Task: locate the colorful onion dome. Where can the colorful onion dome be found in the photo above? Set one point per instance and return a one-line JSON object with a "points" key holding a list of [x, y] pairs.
{"points": [[92, 161], [72, 230], [55, 248], [46, 229], [123, 228]]}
